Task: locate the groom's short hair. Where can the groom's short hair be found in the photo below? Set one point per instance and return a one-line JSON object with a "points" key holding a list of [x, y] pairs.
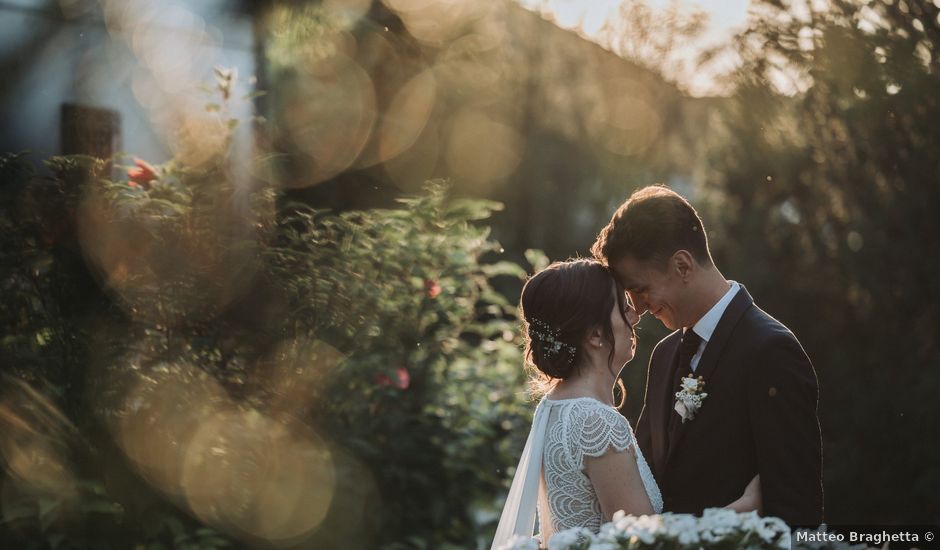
{"points": [[653, 223]]}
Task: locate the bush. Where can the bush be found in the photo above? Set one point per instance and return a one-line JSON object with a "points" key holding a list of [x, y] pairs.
{"points": [[202, 366]]}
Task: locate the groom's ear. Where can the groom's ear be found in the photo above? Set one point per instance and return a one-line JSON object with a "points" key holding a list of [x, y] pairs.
{"points": [[683, 265]]}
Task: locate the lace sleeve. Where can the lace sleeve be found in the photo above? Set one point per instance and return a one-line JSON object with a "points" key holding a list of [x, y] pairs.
{"points": [[601, 428]]}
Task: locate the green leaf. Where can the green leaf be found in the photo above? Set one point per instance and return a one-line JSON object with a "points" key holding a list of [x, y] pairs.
{"points": [[504, 268], [15, 513], [175, 526], [537, 259], [47, 506], [55, 539], [102, 507]]}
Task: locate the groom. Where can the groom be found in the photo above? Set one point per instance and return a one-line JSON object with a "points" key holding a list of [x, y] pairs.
{"points": [[759, 414]]}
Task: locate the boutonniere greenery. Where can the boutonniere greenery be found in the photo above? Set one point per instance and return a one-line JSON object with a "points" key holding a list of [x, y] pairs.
{"points": [[689, 399]]}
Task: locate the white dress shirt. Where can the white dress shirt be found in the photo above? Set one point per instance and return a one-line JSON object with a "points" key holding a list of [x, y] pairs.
{"points": [[705, 326]]}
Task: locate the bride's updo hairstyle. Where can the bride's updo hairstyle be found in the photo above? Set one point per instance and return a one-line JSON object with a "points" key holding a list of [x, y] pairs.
{"points": [[559, 305]]}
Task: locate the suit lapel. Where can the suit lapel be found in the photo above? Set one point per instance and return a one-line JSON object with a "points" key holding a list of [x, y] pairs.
{"points": [[668, 363], [709, 361]]}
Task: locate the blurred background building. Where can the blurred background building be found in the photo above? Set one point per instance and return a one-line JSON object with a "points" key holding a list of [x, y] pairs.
{"points": [[366, 100], [107, 77]]}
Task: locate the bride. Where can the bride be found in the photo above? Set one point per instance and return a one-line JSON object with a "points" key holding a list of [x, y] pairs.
{"points": [[581, 462]]}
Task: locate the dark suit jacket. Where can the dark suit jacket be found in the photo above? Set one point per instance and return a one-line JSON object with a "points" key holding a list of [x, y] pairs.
{"points": [[759, 417]]}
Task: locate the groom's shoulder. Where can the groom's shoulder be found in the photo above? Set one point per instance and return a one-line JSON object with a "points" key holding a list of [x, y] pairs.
{"points": [[762, 326], [766, 337]]}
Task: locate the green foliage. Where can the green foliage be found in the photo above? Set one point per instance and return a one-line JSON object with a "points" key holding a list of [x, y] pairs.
{"points": [[833, 189], [59, 490], [35, 258], [382, 334], [403, 291], [305, 32], [144, 302]]}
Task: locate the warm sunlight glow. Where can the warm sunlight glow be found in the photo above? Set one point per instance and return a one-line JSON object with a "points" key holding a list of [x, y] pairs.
{"points": [[590, 18]]}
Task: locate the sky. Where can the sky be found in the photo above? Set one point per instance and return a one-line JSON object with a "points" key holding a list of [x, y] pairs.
{"points": [[588, 16]]}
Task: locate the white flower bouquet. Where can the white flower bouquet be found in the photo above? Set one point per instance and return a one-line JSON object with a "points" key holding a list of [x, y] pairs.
{"points": [[717, 528]]}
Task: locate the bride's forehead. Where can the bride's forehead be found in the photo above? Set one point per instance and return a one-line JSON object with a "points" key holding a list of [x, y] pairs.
{"points": [[632, 278], [632, 272]]}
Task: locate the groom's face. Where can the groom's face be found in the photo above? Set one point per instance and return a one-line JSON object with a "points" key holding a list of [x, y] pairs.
{"points": [[653, 287]]}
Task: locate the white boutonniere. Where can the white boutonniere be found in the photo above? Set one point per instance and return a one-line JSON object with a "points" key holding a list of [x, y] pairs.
{"points": [[689, 399]]}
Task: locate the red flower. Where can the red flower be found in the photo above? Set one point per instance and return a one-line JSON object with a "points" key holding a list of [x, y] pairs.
{"points": [[142, 174], [403, 379], [432, 288]]}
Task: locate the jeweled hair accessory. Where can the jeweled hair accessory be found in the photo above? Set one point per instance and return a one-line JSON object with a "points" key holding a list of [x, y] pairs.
{"points": [[548, 337]]}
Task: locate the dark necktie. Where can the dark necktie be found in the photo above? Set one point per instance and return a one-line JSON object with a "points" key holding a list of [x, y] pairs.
{"points": [[687, 348]]}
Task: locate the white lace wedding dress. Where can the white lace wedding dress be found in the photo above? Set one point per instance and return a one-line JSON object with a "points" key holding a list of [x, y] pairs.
{"points": [[551, 470], [579, 428]]}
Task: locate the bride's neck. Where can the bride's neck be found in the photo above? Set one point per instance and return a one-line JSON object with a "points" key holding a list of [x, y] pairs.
{"points": [[591, 382]]}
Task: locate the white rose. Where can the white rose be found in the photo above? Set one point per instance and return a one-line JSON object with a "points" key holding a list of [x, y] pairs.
{"points": [[772, 527], [689, 383], [720, 517], [678, 524], [645, 537], [649, 523], [563, 539], [688, 538], [709, 536]]}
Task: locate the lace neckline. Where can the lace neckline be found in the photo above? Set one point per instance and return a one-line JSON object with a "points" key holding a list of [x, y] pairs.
{"points": [[573, 399]]}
